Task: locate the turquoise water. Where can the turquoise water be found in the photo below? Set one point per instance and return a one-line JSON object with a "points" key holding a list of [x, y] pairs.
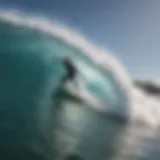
{"points": [[41, 120], [31, 70], [23, 76]]}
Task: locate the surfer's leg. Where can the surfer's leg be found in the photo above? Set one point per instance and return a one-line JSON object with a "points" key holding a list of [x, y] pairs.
{"points": [[75, 79], [72, 77]]}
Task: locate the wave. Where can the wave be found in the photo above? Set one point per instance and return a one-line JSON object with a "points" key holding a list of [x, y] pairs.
{"points": [[33, 48], [98, 62]]}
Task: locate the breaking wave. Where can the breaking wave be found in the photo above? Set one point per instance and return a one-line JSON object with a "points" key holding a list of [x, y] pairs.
{"points": [[31, 71]]}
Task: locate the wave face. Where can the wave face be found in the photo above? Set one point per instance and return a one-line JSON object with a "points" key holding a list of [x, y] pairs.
{"points": [[39, 118]]}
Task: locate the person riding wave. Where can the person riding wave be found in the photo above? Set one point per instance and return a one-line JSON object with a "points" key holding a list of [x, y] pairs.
{"points": [[71, 70]]}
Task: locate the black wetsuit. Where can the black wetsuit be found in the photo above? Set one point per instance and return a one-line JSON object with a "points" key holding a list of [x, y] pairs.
{"points": [[71, 71]]}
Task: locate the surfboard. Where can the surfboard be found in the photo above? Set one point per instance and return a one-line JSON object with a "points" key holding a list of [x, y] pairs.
{"points": [[74, 92], [81, 95]]}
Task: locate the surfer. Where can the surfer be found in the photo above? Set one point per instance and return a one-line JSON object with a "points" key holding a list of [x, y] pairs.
{"points": [[71, 70]]}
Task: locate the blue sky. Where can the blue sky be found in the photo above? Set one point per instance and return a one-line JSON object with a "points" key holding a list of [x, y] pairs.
{"points": [[131, 28]]}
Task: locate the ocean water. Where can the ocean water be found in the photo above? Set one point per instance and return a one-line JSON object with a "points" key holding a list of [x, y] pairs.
{"points": [[102, 118]]}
